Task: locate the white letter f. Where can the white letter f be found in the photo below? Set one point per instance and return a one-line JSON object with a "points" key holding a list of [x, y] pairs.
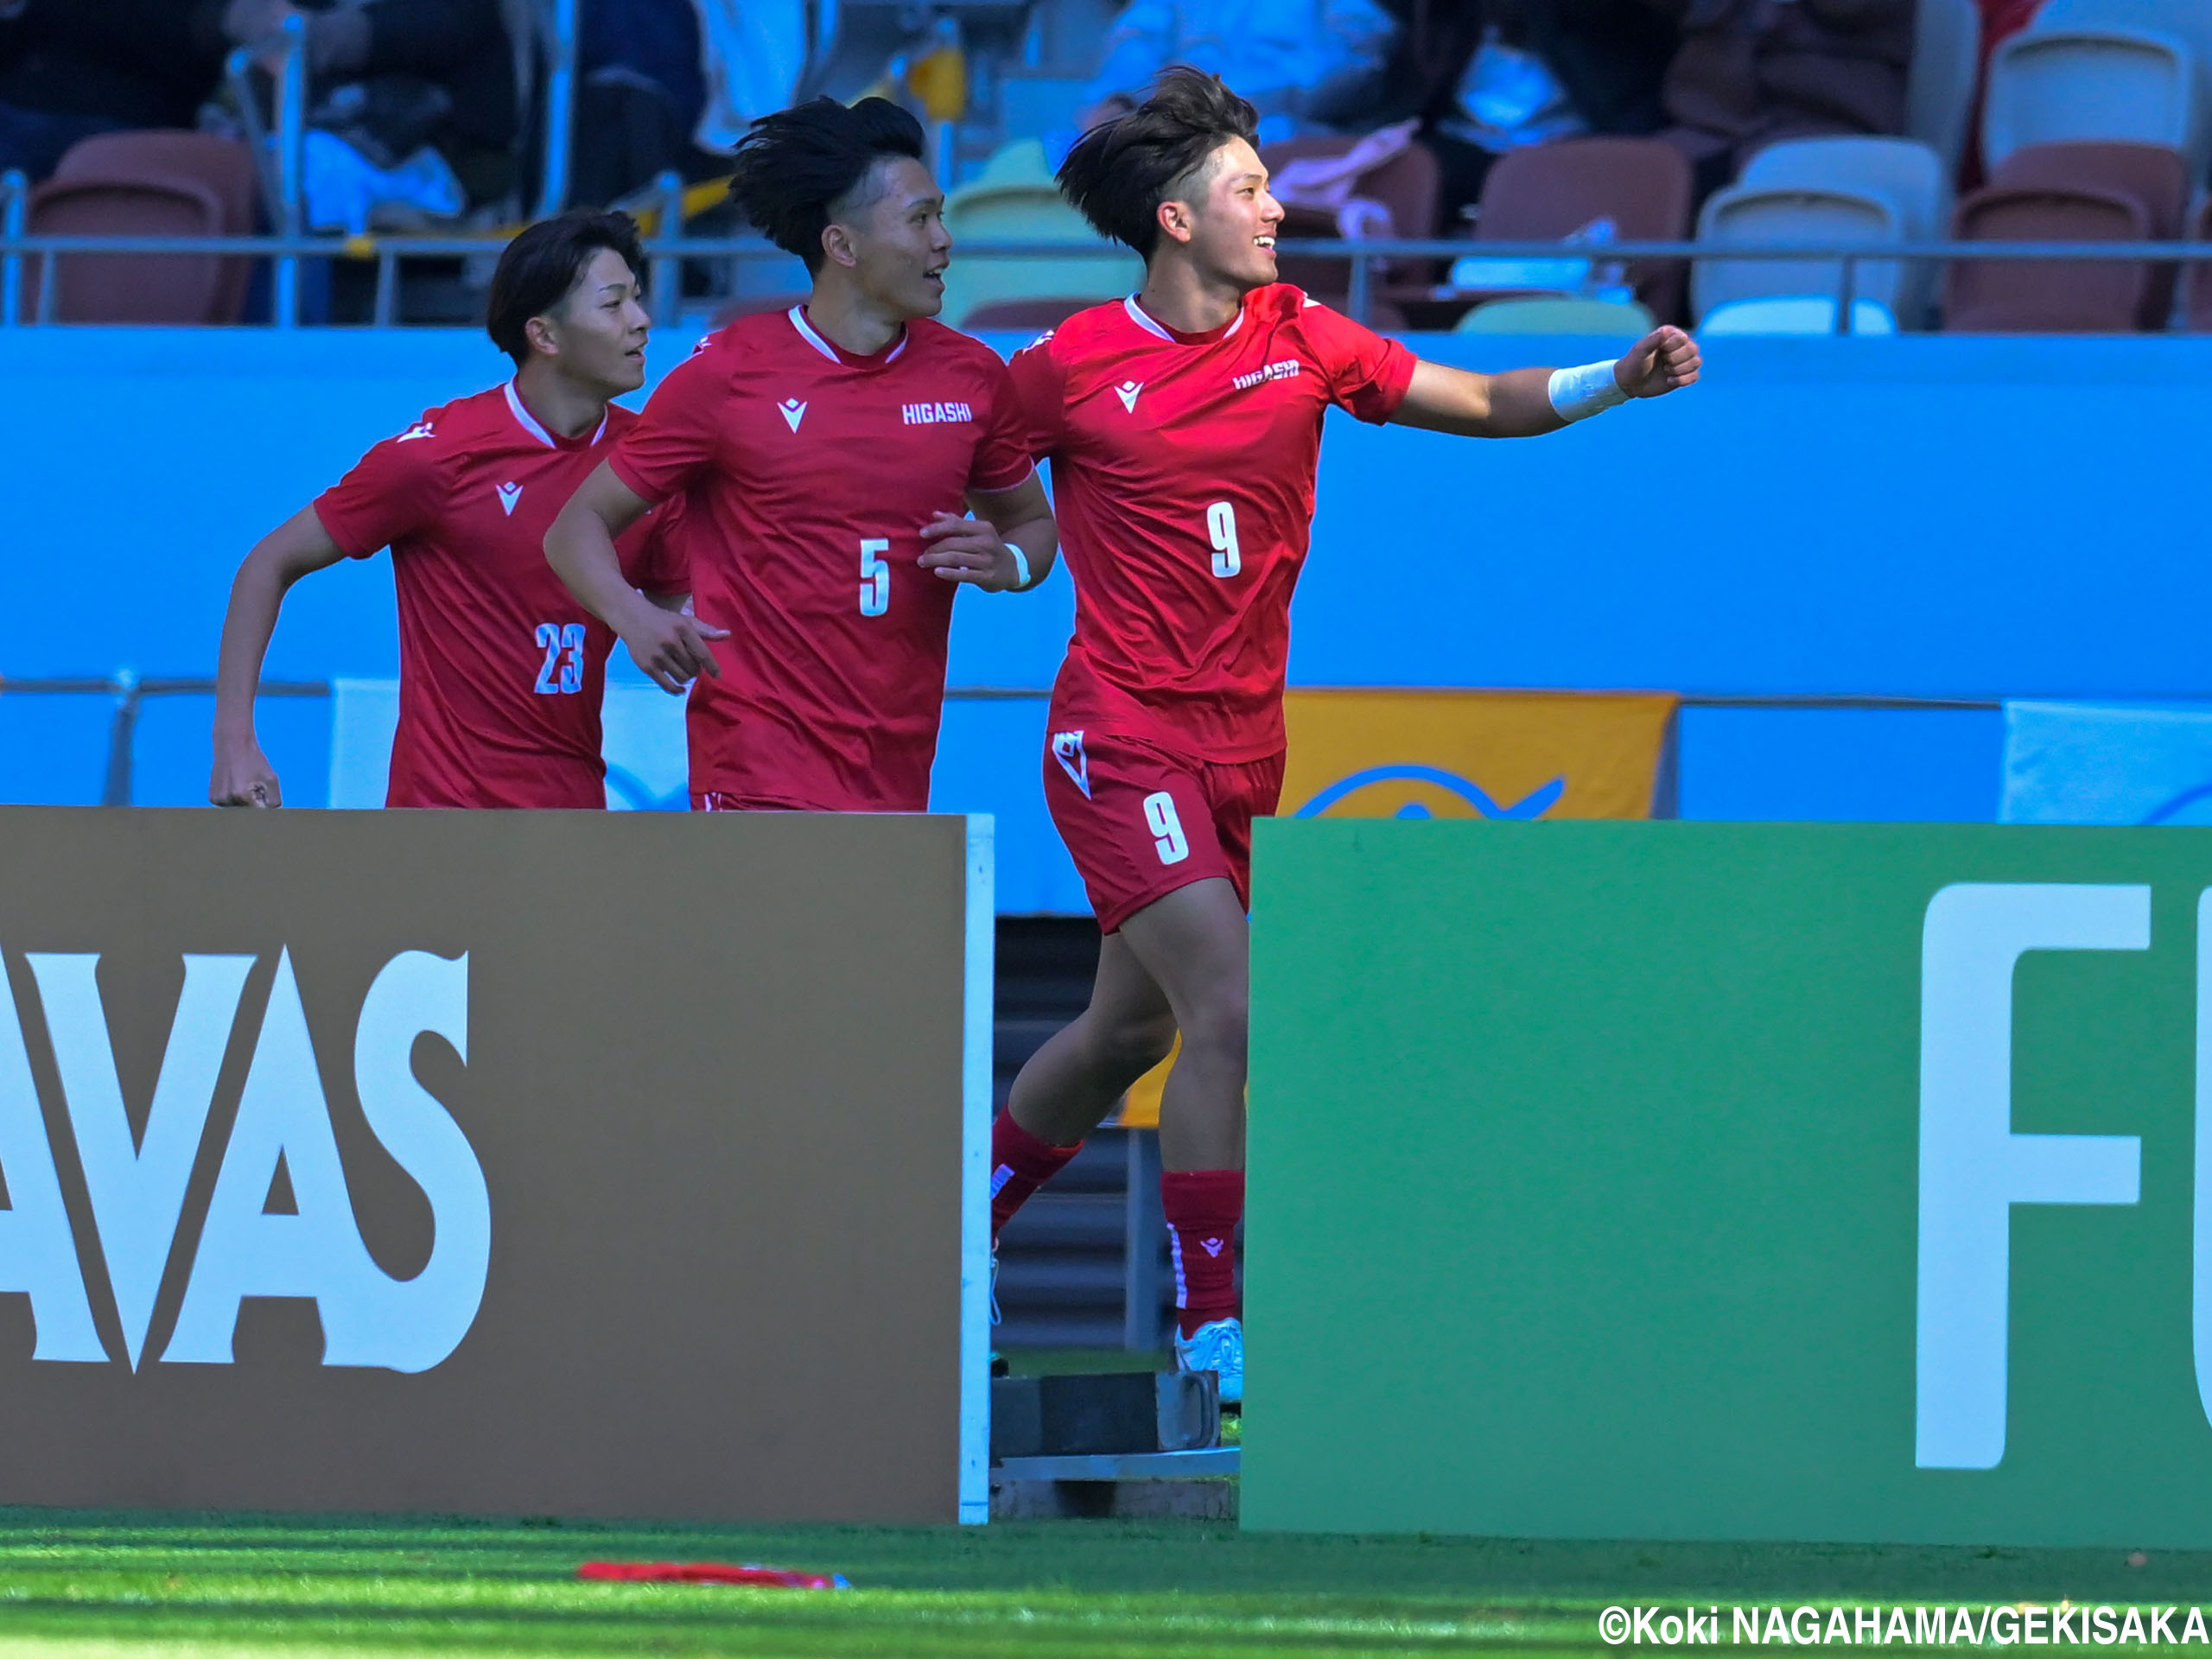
{"points": [[1972, 1167]]}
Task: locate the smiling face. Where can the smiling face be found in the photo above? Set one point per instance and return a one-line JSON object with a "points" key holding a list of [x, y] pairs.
{"points": [[889, 235], [597, 333], [1224, 219]]}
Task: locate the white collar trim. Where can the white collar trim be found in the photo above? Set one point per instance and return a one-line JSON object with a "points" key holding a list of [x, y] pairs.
{"points": [[797, 314], [1143, 319], [529, 422]]}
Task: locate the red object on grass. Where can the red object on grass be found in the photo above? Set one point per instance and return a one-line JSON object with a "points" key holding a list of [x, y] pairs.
{"points": [[706, 1572]]}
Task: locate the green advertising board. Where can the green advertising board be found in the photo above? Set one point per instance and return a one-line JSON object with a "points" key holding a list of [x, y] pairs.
{"points": [[1732, 1181]]}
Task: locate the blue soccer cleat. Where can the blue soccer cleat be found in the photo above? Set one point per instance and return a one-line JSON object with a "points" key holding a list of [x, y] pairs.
{"points": [[1216, 1346]]}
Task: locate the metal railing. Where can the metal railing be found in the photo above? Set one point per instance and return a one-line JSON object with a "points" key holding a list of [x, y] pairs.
{"points": [[668, 252], [129, 691]]}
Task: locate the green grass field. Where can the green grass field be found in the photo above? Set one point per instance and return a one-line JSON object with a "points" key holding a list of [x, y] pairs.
{"points": [[79, 1586]]}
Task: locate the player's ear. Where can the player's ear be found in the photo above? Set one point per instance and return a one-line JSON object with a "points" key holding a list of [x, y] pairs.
{"points": [[544, 335], [837, 245], [1175, 221]]}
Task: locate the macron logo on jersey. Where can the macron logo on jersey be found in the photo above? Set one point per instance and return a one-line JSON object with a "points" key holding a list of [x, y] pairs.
{"points": [[508, 494], [934, 414], [1283, 371], [793, 412], [420, 430], [1126, 391]]}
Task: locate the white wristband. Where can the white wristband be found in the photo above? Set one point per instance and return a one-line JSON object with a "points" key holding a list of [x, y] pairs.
{"points": [[1576, 394], [1021, 565]]}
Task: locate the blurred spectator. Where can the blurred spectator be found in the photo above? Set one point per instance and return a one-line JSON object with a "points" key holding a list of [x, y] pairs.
{"points": [[1487, 76], [752, 52], [1751, 72], [642, 94], [1307, 66], [390, 76], [71, 68]]}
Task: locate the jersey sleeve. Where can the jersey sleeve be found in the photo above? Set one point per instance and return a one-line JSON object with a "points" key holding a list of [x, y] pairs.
{"points": [[662, 563], [1040, 380], [675, 439], [393, 492], [1367, 375], [1003, 458]]}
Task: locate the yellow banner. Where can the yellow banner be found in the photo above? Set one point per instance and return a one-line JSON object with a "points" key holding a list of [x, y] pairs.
{"points": [[1460, 754]]}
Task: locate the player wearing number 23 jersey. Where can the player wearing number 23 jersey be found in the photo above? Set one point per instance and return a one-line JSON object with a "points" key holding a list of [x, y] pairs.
{"points": [[808, 474], [501, 671], [1183, 473]]}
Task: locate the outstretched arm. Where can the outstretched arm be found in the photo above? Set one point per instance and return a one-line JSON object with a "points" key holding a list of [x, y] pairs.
{"points": [[982, 549], [669, 646], [1527, 403], [242, 776]]}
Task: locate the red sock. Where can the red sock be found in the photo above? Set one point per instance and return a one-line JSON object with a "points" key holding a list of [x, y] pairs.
{"points": [[1204, 1206], [1020, 1163]]}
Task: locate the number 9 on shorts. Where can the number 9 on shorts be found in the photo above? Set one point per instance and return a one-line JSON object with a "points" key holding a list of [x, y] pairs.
{"points": [[1168, 838]]}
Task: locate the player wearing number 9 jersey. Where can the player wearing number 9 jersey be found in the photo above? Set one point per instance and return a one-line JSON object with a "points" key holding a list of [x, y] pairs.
{"points": [[1184, 429], [826, 454], [501, 671]]}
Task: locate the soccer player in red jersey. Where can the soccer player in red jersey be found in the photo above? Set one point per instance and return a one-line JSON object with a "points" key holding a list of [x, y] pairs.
{"points": [[500, 671], [826, 454], [1183, 426]]}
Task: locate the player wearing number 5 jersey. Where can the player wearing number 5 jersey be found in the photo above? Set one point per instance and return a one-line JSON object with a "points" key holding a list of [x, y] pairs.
{"points": [[1184, 428], [827, 454], [500, 671]]}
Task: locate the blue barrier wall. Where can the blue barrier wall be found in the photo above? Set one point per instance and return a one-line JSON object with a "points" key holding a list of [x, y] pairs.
{"points": [[1920, 515]]}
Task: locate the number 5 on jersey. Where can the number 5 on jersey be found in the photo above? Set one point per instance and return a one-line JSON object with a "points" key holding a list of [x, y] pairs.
{"points": [[875, 577]]}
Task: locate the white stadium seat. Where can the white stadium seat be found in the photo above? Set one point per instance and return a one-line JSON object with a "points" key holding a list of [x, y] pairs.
{"points": [[1910, 175], [2074, 85], [1750, 214]]}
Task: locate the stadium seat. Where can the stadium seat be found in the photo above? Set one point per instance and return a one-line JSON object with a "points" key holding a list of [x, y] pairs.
{"points": [[2044, 296], [1909, 174], [1015, 200], [1548, 192], [2049, 86], [151, 183], [1024, 316], [1753, 215], [1940, 84], [1545, 315], [1409, 184], [1794, 317], [2155, 177], [2197, 304], [2189, 21]]}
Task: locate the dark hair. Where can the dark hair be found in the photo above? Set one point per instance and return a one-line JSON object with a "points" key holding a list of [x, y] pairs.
{"points": [[796, 166], [1120, 171], [543, 266]]}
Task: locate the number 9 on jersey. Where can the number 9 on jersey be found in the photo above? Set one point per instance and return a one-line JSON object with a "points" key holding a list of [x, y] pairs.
{"points": [[1221, 530]]}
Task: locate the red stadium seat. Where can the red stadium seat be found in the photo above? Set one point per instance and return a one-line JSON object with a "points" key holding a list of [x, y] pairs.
{"points": [[154, 183], [2047, 296], [2153, 175], [1547, 192], [1024, 315], [1409, 184], [751, 305], [2196, 306]]}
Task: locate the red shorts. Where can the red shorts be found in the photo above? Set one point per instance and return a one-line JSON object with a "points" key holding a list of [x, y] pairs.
{"points": [[1140, 820]]}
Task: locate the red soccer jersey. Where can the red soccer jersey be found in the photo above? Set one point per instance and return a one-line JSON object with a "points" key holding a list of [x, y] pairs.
{"points": [[500, 670], [1183, 469], [808, 474]]}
